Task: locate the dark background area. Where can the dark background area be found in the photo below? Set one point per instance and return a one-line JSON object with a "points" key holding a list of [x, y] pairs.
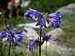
{"points": [[3, 3]]}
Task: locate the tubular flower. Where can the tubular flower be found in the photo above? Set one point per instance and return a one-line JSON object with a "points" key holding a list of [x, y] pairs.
{"points": [[41, 22], [16, 38], [32, 14], [35, 15], [54, 19], [31, 44], [4, 34]]}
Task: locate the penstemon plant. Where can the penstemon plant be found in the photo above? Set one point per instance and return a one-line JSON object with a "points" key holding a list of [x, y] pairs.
{"points": [[13, 37], [33, 15], [52, 18]]}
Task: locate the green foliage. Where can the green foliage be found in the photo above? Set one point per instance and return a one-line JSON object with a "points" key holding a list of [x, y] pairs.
{"points": [[68, 25], [48, 5]]}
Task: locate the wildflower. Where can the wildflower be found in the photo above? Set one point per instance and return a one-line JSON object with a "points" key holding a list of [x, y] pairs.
{"points": [[4, 34], [55, 24], [41, 23], [16, 38], [54, 18], [31, 44], [31, 14], [35, 15]]}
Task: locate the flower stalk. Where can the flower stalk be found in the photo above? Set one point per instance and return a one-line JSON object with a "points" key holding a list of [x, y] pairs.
{"points": [[40, 42], [9, 48]]}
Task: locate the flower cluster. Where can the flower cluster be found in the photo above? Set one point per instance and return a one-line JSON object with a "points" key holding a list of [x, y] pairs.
{"points": [[32, 43], [13, 36], [53, 18]]}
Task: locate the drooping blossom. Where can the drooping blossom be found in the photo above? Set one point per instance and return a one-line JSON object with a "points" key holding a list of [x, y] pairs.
{"points": [[54, 19], [41, 23], [4, 34], [32, 14], [12, 35], [36, 15], [16, 38], [31, 44]]}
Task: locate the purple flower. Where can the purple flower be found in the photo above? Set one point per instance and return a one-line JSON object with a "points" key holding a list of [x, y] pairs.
{"points": [[35, 15], [16, 38], [41, 23], [31, 14], [12, 35], [31, 44], [45, 37], [55, 24], [4, 34], [54, 19]]}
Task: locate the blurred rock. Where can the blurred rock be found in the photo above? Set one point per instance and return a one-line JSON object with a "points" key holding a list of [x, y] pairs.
{"points": [[52, 44], [31, 33], [55, 33], [70, 8], [31, 25]]}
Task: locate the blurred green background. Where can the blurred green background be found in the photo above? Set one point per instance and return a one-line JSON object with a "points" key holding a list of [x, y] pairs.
{"points": [[49, 5]]}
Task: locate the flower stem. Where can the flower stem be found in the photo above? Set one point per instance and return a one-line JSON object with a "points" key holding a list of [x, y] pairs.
{"points": [[46, 48], [40, 42], [1, 52], [9, 49]]}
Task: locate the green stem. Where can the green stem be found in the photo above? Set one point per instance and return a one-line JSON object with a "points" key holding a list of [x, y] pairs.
{"points": [[40, 42], [9, 49], [46, 48], [1, 51]]}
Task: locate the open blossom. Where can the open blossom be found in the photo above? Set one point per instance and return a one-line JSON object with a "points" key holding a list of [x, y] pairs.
{"points": [[41, 23], [31, 44], [16, 38], [35, 15], [54, 19], [32, 14], [4, 34]]}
